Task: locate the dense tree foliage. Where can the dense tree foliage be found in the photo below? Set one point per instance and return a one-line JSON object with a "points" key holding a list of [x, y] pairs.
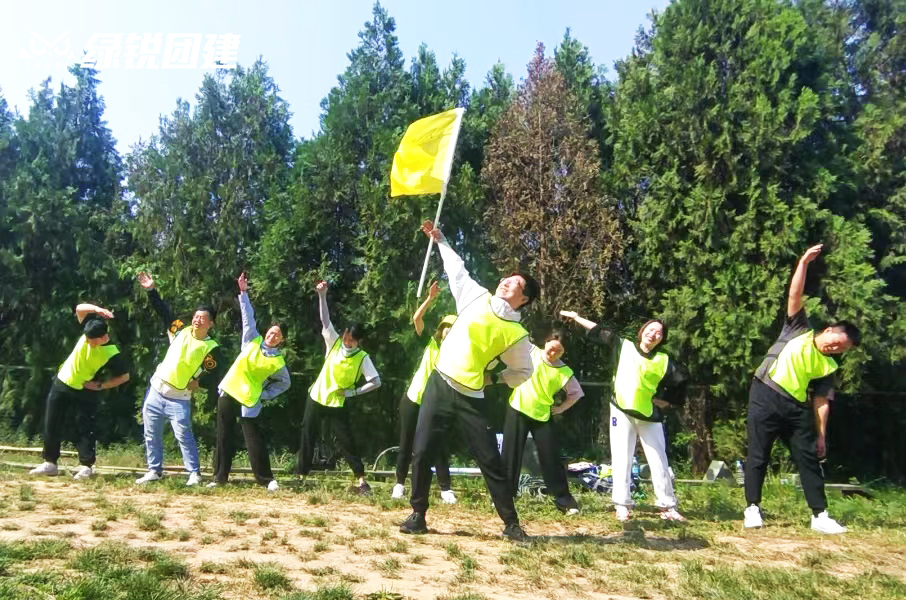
{"points": [[736, 133]]}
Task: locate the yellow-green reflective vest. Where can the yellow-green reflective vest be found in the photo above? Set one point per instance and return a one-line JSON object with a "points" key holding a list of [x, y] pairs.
{"points": [[478, 337], [184, 358], [84, 362], [251, 368], [338, 373], [429, 359], [637, 378], [798, 363], [534, 397]]}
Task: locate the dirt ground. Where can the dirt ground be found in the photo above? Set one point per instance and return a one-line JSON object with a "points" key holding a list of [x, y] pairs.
{"points": [[317, 543]]}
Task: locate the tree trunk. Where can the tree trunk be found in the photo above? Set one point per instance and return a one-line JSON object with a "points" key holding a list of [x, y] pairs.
{"points": [[698, 417]]}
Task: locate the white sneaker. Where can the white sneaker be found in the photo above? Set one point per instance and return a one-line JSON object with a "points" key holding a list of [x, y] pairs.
{"points": [[149, 476], [47, 468], [398, 491], [623, 513], [213, 484], [572, 511], [824, 524], [752, 518], [671, 514], [448, 497], [273, 486], [194, 479], [84, 473]]}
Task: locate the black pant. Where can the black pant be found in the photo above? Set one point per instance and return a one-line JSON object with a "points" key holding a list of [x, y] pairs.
{"points": [[444, 411], [338, 420], [228, 409], [409, 411], [771, 415], [515, 433], [66, 405]]}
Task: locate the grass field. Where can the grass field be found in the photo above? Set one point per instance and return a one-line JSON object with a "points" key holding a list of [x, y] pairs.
{"points": [[107, 539]]}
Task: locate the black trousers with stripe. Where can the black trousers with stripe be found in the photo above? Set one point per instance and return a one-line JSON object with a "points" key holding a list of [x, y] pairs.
{"points": [[515, 434], [409, 412], [446, 413], [337, 419], [770, 416], [228, 410]]}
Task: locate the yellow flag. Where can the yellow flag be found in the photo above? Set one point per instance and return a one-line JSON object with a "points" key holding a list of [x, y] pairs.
{"points": [[422, 163]]}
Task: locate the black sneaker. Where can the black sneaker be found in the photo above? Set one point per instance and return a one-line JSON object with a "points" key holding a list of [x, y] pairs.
{"points": [[414, 523], [515, 533], [363, 489]]}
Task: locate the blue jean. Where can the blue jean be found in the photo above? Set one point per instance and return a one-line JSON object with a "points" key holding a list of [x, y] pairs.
{"points": [[156, 411]]}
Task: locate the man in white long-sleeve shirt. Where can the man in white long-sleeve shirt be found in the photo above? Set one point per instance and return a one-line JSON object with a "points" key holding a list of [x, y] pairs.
{"points": [[487, 328]]}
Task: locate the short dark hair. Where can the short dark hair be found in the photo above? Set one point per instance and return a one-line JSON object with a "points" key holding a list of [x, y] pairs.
{"points": [[94, 328], [212, 312], [357, 331], [851, 331], [532, 289], [555, 334], [284, 327], [638, 335]]}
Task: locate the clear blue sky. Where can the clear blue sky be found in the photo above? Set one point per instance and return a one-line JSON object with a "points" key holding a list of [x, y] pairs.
{"points": [[304, 42]]}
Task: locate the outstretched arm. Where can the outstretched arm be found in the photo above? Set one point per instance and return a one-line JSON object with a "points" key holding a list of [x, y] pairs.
{"points": [[797, 285], [328, 332], [83, 310], [160, 307], [574, 316], [462, 286], [249, 330], [595, 332], [418, 318]]}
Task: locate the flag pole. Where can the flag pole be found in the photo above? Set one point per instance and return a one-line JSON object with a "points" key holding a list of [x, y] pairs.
{"points": [[447, 168]]}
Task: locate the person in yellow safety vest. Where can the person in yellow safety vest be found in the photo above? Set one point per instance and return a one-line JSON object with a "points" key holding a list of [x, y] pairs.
{"points": [[344, 364], [410, 404], [529, 411], [72, 399], [778, 402], [487, 327], [645, 381], [193, 360], [257, 375]]}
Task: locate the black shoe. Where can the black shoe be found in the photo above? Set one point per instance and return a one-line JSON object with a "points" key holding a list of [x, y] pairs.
{"points": [[363, 489], [414, 523], [515, 533]]}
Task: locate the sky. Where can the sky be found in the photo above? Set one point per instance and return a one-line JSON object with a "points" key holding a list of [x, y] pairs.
{"points": [[304, 42]]}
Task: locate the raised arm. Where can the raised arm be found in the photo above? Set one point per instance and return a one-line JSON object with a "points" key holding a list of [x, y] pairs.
{"points": [[462, 286], [160, 307], [83, 310], [797, 285], [249, 329], [595, 332], [324, 312], [574, 316], [418, 318]]}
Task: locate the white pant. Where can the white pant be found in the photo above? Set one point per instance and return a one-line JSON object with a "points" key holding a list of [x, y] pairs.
{"points": [[624, 431]]}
